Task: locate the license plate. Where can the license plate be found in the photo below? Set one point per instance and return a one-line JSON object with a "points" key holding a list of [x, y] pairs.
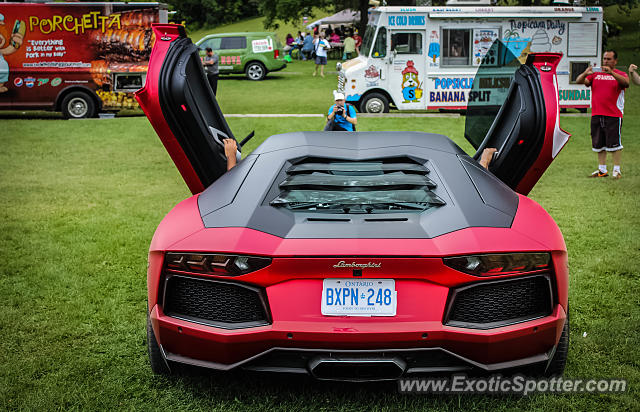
{"points": [[361, 297]]}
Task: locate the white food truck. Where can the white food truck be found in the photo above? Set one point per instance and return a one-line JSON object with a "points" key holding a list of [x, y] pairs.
{"points": [[417, 58]]}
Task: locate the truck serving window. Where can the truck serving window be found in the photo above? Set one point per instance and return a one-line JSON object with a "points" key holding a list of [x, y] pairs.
{"points": [[380, 46], [406, 43], [367, 40], [576, 69], [128, 82], [455, 47]]}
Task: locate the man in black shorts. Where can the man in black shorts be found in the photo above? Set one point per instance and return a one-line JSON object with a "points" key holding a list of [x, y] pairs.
{"points": [[607, 105]]}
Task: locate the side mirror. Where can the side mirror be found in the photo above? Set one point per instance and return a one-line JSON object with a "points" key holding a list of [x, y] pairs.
{"points": [[392, 55]]}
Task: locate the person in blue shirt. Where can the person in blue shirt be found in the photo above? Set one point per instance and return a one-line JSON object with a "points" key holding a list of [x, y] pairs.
{"points": [[307, 46], [341, 117]]}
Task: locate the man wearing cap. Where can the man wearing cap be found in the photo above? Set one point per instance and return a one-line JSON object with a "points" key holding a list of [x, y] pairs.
{"points": [[341, 117]]}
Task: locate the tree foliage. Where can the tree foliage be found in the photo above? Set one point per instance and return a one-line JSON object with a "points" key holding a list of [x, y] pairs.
{"points": [[215, 12], [198, 13], [292, 11]]}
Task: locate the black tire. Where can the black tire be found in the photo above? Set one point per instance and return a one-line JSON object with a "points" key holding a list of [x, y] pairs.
{"points": [[559, 360], [78, 105], [374, 103], [158, 364], [582, 109], [255, 71]]}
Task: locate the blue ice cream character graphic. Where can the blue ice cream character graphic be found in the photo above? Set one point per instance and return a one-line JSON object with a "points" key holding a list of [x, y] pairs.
{"points": [[411, 91]]}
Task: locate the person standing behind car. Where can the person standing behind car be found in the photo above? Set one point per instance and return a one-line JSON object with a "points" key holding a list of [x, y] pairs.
{"points": [[307, 46], [349, 47], [341, 117], [607, 105], [320, 47], [210, 63], [358, 40], [297, 44]]}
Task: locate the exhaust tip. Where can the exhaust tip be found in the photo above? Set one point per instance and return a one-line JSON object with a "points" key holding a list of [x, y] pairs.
{"points": [[357, 369]]}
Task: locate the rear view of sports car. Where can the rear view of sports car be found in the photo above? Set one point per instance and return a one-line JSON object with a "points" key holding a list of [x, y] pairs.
{"points": [[357, 255]]}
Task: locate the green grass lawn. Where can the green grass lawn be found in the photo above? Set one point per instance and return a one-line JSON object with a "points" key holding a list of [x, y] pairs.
{"points": [[80, 203]]}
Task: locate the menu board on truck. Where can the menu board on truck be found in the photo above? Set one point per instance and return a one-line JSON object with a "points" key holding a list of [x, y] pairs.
{"points": [[583, 39]]}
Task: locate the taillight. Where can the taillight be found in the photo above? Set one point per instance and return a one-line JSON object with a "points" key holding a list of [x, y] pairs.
{"points": [[276, 53], [499, 264], [215, 264]]}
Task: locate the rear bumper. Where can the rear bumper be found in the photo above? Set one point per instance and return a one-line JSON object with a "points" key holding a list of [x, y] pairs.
{"points": [[300, 346], [277, 65]]}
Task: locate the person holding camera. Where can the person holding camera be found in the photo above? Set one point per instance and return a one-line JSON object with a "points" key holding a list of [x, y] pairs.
{"points": [[342, 116], [607, 104], [321, 47]]}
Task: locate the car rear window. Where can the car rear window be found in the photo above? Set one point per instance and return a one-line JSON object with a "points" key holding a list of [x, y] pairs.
{"points": [[233, 43], [374, 186]]}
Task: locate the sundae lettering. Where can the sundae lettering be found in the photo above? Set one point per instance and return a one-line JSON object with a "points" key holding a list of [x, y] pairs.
{"points": [[78, 25], [574, 94]]}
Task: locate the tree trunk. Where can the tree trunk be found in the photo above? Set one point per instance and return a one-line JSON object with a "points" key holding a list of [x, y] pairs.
{"points": [[364, 17]]}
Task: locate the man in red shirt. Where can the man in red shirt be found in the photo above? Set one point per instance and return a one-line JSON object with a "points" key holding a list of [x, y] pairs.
{"points": [[358, 40], [607, 105]]}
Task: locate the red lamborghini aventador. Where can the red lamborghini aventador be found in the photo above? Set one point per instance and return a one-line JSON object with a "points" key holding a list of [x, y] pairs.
{"points": [[358, 255]]}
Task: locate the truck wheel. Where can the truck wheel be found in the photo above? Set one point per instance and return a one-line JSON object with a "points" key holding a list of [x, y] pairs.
{"points": [[78, 105], [375, 103], [255, 71], [158, 364]]}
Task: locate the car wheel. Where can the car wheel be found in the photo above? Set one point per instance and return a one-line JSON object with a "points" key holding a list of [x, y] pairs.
{"points": [[559, 360], [78, 105], [375, 103], [255, 71], [158, 364]]}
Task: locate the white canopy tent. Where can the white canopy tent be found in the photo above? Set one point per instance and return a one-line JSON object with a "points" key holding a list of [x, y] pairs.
{"points": [[343, 17]]}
